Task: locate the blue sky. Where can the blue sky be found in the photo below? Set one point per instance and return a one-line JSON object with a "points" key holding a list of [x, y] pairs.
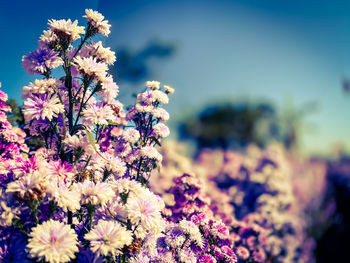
{"points": [[258, 49]]}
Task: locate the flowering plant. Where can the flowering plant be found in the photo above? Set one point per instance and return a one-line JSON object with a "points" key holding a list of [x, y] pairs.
{"points": [[83, 196]]}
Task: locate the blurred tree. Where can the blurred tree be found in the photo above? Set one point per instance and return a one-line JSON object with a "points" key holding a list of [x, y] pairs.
{"points": [[134, 66], [292, 123], [231, 125], [346, 85], [235, 125], [15, 117]]}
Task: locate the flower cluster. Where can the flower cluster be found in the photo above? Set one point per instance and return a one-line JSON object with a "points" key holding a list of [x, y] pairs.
{"points": [[192, 234], [83, 196], [259, 184], [12, 147], [257, 195]]}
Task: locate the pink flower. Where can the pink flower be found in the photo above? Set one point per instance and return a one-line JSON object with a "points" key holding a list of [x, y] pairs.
{"points": [[60, 171], [206, 258]]}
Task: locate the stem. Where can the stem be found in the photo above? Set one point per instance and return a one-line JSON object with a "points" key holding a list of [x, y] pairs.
{"points": [[82, 104], [139, 169], [81, 44], [70, 217]]}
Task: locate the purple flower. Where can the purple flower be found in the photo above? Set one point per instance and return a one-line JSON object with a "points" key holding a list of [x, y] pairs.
{"points": [[41, 60]]}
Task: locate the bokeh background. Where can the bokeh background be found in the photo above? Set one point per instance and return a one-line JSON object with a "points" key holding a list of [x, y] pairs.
{"points": [[291, 55], [245, 71]]}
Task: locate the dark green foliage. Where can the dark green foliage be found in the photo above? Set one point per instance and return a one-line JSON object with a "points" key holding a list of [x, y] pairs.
{"points": [[231, 125]]}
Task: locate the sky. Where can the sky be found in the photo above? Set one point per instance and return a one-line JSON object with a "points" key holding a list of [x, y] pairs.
{"points": [[225, 50]]}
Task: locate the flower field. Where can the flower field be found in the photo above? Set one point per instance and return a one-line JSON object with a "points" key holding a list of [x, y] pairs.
{"points": [[103, 186]]}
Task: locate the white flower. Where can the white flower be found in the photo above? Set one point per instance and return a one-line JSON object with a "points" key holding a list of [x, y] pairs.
{"points": [[109, 90], [97, 114], [191, 229], [89, 66], [131, 135], [65, 197], [29, 187], [40, 86], [95, 19], [66, 29], [79, 141], [114, 164], [42, 107], [151, 153], [169, 89], [144, 211], [102, 54], [146, 97], [161, 114], [155, 85], [108, 237], [95, 194], [161, 130], [161, 96], [53, 241]]}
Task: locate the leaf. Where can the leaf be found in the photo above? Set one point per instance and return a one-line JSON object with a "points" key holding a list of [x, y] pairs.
{"points": [[112, 123], [156, 140], [124, 197], [91, 139]]}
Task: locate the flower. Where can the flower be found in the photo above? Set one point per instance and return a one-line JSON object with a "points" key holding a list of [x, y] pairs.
{"points": [[41, 107], [90, 67], [95, 20], [48, 40], [101, 53], [192, 230], [28, 188], [109, 90], [78, 142], [131, 135], [146, 97], [161, 130], [41, 86], [95, 194], [97, 114], [187, 256], [66, 30], [169, 89], [161, 114], [155, 85], [161, 97], [40, 61], [143, 210], [206, 258], [53, 241], [174, 237], [114, 164], [220, 230], [65, 197], [108, 237], [242, 252], [151, 153], [59, 171]]}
